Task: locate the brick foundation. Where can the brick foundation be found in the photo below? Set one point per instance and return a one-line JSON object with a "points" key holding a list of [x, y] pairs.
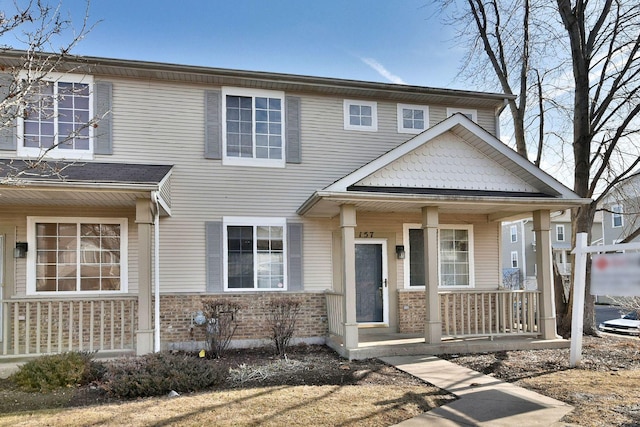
{"points": [[177, 310]]}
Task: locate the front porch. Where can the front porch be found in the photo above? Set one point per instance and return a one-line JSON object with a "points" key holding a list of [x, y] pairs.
{"points": [[471, 322]]}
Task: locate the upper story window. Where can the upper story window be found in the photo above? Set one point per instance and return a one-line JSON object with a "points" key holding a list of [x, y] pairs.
{"points": [[253, 127], [412, 118], [360, 115], [255, 253], [616, 216], [75, 255], [57, 119], [514, 259], [470, 113], [560, 233], [514, 233]]}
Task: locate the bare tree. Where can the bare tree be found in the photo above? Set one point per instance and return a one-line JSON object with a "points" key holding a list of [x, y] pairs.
{"points": [[531, 45], [44, 38]]}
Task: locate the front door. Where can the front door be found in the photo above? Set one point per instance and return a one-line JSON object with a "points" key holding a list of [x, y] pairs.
{"points": [[371, 281]]}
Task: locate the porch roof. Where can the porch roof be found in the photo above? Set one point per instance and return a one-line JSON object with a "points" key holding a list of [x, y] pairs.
{"points": [[455, 165], [77, 183]]}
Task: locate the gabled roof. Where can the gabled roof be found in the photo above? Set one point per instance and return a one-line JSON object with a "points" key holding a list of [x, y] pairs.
{"points": [[453, 162]]}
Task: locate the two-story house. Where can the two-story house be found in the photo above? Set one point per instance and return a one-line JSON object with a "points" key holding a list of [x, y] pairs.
{"points": [[378, 206], [519, 248]]}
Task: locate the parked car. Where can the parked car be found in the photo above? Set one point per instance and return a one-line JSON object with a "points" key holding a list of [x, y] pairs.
{"points": [[627, 324]]}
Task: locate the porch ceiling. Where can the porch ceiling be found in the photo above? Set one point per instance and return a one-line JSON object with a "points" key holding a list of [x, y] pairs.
{"points": [[29, 196], [326, 204]]}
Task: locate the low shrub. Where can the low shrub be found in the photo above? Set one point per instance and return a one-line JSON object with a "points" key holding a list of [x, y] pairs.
{"points": [[222, 322], [158, 373], [281, 318], [48, 373]]}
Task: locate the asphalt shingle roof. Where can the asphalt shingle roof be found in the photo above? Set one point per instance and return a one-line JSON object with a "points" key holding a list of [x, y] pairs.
{"points": [[87, 172]]}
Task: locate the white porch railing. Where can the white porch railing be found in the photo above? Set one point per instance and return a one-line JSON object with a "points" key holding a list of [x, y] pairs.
{"points": [[34, 327], [489, 313], [469, 313], [335, 317]]}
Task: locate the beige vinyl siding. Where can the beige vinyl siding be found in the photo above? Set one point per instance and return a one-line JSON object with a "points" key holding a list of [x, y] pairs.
{"points": [[205, 190], [318, 264], [487, 255], [161, 122], [17, 216]]}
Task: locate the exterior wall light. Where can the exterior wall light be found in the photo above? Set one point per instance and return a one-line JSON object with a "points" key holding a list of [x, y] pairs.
{"points": [[20, 250], [400, 254]]}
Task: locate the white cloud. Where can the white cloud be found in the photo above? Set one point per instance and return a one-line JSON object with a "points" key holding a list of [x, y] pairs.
{"points": [[380, 69]]}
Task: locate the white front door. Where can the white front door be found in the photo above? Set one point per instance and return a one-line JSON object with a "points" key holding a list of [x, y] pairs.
{"points": [[372, 292]]}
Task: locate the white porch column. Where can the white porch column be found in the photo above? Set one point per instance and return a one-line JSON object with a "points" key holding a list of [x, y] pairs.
{"points": [[348, 226], [433, 320], [542, 229], [144, 333]]}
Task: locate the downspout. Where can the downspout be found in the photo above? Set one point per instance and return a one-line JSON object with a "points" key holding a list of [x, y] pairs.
{"points": [[524, 252], [497, 116], [156, 272]]}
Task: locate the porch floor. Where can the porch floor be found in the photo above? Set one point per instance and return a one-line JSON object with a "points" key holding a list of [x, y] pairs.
{"points": [[386, 344]]}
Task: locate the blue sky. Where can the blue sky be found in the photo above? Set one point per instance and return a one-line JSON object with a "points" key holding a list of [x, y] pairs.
{"points": [[376, 40]]}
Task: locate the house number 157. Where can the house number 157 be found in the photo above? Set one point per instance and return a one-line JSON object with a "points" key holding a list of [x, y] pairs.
{"points": [[365, 235]]}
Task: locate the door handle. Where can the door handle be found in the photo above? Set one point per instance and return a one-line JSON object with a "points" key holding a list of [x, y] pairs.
{"points": [[385, 283]]}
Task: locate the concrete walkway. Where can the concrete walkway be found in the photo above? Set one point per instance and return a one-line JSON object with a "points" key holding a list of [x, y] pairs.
{"points": [[482, 400]]}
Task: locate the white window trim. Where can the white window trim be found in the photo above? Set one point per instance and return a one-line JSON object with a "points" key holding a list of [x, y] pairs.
{"points": [[407, 266], [513, 231], [32, 253], [558, 228], [401, 128], [613, 216], [474, 113], [374, 115], [253, 222], [23, 151], [244, 161], [514, 257]]}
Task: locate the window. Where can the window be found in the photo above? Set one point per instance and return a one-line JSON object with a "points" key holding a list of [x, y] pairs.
{"points": [[471, 114], [455, 244], [514, 233], [255, 253], [560, 233], [360, 115], [616, 216], [57, 118], [514, 259], [253, 127], [412, 118], [77, 255]]}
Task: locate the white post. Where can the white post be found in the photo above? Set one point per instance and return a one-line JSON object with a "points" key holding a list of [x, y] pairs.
{"points": [[579, 278]]}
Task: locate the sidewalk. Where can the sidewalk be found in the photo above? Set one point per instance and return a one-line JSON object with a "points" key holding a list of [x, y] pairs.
{"points": [[482, 400]]}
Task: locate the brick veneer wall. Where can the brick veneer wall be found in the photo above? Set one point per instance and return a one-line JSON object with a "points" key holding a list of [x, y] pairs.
{"points": [[176, 311], [411, 311]]}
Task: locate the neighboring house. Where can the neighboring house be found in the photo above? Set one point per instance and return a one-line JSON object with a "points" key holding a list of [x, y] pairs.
{"points": [[378, 206], [621, 212], [519, 248]]}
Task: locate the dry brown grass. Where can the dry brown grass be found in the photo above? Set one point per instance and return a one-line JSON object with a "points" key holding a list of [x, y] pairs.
{"points": [[376, 405]]}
